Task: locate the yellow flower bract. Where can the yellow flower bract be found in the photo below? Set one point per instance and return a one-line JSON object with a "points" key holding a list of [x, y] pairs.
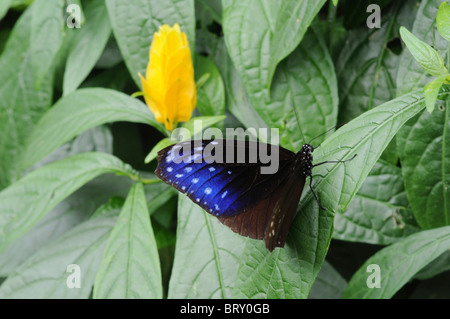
{"points": [[169, 84]]}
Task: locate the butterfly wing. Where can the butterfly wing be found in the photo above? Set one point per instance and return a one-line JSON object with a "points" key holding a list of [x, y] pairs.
{"points": [[271, 218], [260, 206], [222, 189], [284, 211]]}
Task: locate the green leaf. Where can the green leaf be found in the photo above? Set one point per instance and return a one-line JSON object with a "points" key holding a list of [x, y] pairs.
{"points": [[288, 272], [28, 200], [134, 24], [70, 212], [130, 266], [366, 67], [159, 146], [428, 58], [439, 265], [443, 20], [207, 255], [237, 101], [431, 91], [74, 209], [4, 7], [46, 274], [379, 212], [399, 263], [306, 81], [79, 111], [410, 75], [20, 105], [259, 34], [90, 40], [424, 143], [208, 10], [204, 121], [46, 36], [211, 95], [329, 284]]}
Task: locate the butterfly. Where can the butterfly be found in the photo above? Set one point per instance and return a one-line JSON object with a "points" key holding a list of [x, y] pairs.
{"points": [[252, 204]]}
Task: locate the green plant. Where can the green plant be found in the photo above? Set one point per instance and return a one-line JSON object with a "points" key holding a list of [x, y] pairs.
{"points": [[75, 188]]}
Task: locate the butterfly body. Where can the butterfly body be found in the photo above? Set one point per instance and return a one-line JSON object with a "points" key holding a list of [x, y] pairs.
{"points": [[238, 193]]}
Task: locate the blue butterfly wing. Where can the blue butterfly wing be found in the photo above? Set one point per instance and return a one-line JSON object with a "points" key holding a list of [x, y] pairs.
{"points": [[237, 193], [219, 188]]}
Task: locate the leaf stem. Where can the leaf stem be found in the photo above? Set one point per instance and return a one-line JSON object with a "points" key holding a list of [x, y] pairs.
{"points": [[145, 181]]}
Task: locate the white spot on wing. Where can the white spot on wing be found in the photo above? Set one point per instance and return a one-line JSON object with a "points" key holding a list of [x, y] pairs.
{"points": [[188, 169], [208, 190], [179, 175], [212, 169], [169, 169], [224, 194], [194, 180]]}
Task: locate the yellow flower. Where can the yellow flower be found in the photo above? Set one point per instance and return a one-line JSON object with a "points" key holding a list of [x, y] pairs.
{"points": [[169, 85]]}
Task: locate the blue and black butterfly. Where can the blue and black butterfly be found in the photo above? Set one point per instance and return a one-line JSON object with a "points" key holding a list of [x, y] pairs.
{"points": [[256, 205]]}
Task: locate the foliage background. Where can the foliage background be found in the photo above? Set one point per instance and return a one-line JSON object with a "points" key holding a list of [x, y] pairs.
{"points": [[73, 145]]}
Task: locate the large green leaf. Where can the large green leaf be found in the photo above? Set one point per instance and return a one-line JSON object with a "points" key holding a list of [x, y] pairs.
{"points": [[79, 111], [428, 58], [366, 66], [329, 284], [47, 24], [291, 271], [4, 7], [425, 158], [89, 42], [46, 273], [206, 257], [443, 20], [74, 209], [259, 34], [410, 75], [379, 213], [398, 263], [21, 105], [306, 81], [135, 22], [28, 200], [130, 266], [237, 101], [211, 95]]}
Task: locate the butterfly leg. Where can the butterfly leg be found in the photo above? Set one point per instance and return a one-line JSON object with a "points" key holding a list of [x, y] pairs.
{"points": [[315, 196], [330, 162]]}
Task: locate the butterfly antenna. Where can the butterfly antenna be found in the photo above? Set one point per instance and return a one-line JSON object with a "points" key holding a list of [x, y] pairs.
{"points": [[334, 127], [298, 122]]}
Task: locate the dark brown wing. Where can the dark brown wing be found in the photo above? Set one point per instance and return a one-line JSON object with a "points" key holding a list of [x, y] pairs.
{"points": [[271, 218]]}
